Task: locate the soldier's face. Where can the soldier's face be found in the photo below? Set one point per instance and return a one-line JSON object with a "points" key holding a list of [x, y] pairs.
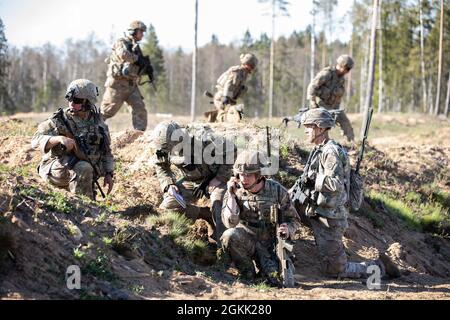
{"points": [[248, 68], [342, 70], [313, 132], [75, 106], [139, 35], [248, 179]]}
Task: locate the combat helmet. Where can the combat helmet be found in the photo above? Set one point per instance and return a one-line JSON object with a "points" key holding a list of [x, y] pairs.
{"points": [[249, 59], [249, 162], [320, 117], [165, 136], [345, 61], [82, 89], [137, 25]]}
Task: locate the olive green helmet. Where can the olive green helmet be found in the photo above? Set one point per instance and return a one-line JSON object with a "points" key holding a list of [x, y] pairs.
{"points": [[163, 135], [82, 89], [320, 117], [346, 61], [137, 25], [249, 59], [250, 162]]}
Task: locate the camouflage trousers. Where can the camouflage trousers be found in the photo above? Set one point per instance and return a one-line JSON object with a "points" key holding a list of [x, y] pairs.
{"points": [[346, 126], [77, 180], [244, 247], [328, 234], [120, 91], [216, 190]]}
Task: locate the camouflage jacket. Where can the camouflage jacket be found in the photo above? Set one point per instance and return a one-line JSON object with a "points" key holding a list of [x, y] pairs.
{"points": [[254, 210], [124, 54], [94, 131], [195, 172], [327, 89], [231, 83], [331, 167]]}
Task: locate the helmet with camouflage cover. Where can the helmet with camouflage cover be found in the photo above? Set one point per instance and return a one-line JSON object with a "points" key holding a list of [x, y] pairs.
{"points": [[137, 25], [82, 89], [320, 117], [249, 162], [165, 137], [345, 61], [249, 59]]}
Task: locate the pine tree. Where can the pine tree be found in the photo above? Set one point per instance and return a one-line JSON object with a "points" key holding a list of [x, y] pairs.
{"points": [[153, 50], [6, 104]]}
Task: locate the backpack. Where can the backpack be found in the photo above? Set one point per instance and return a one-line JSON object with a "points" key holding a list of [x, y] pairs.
{"points": [[354, 184]]}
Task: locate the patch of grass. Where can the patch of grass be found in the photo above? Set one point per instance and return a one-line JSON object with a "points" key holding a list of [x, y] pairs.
{"points": [[53, 200], [413, 197], [137, 289], [178, 228], [4, 169], [99, 267], [398, 208], [261, 286], [421, 216], [78, 254], [178, 224], [284, 150], [107, 241]]}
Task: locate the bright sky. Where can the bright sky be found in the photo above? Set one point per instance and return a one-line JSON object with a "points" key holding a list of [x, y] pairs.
{"points": [[34, 22]]}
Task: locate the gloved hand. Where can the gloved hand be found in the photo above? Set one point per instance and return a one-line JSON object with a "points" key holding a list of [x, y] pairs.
{"points": [[200, 191], [226, 100]]}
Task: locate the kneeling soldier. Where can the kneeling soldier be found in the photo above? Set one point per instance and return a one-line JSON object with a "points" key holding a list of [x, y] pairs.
{"points": [[253, 230], [76, 143]]}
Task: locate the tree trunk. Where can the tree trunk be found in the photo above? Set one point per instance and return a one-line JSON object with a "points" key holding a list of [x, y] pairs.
{"points": [[422, 61], [370, 83], [349, 80], [447, 100], [380, 64], [313, 41], [272, 55], [194, 64], [441, 38]]}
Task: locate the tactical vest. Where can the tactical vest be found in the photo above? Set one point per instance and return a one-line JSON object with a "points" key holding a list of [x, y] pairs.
{"points": [[89, 132], [331, 92], [119, 69], [255, 209]]}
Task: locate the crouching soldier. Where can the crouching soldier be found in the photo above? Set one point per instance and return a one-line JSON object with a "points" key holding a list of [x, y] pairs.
{"points": [[188, 149], [252, 230], [321, 197], [76, 143]]}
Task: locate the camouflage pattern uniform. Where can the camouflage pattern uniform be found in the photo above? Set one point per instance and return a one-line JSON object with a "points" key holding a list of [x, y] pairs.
{"points": [[326, 90], [192, 175], [231, 83], [122, 82], [251, 234], [329, 169], [63, 169]]}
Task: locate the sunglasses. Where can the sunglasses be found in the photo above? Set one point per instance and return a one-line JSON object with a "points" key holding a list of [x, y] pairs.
{"points": [[77, 101]]}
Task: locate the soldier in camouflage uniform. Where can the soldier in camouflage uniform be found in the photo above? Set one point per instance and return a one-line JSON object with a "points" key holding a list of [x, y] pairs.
{"points": [[251, 234], [327, 177], [231, 84], [123, 78], [64, 164], [327, 89], [200, 177]]}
